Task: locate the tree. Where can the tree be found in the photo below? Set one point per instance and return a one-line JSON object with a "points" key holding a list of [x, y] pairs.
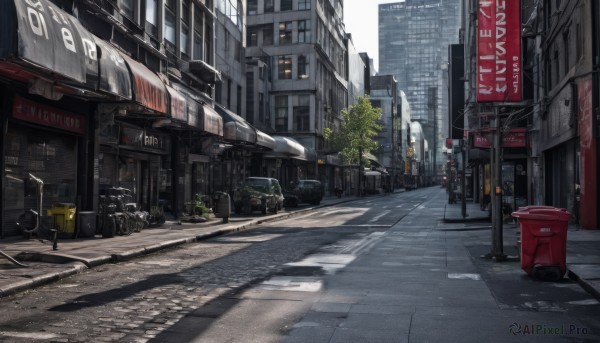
{"points": [[356, 132]]}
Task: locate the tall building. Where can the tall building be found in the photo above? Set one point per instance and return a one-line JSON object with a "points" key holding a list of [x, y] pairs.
{"points": [[413, 46], [302, 44]]}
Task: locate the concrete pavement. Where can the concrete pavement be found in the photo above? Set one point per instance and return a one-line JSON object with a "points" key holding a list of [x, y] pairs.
{"points": [[75, 255]]}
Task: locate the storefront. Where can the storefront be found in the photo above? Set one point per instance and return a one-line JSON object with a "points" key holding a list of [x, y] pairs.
{"points": [[44, 141], [136, 159], [194, 127], [235, 160]]}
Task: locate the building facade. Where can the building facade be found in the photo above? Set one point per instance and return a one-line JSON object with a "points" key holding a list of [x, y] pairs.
{"points": [[302, 44], [413, 40]]}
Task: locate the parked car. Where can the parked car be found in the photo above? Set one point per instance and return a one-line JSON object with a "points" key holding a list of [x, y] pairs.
{"points": [[309, 191], [258, 194]]}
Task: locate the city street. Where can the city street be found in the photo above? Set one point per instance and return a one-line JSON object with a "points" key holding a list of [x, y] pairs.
{"points": [[378, 269]]}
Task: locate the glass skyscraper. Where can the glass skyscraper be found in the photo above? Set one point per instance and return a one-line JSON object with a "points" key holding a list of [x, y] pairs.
{"points": [[413, 46]]}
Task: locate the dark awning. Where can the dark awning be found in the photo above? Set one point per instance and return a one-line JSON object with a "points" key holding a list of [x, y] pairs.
{"points": [[200, 115], [148, 89], [235, 128], [264, 141], [32, 34], [203, 70], [114, 75]]}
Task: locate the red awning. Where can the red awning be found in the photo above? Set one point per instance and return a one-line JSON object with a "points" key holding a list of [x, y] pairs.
{"points": [[148, 89], [178, 105]]}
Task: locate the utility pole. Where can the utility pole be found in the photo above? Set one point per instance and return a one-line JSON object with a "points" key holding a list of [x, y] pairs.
{"points": [[463, 179], [497, 252]]}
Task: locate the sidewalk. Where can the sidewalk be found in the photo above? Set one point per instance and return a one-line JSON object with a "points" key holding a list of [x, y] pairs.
{"points": [[76, 255], [583, 246]]}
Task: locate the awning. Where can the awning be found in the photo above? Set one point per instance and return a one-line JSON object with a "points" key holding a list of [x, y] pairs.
{"points": [[203, 70], [211, 121], [235, 128], [30, 33], [199, 115], [286, 147], [114, 75], [264, 141], [479, 155], [178, 105], [148, 89]]}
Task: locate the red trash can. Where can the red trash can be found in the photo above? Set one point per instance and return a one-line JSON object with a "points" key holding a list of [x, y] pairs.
{"points": [[543, 240]]}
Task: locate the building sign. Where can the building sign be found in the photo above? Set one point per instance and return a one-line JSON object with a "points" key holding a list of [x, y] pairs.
{"points": [[515, 138], [499, 51], [34, 112]]}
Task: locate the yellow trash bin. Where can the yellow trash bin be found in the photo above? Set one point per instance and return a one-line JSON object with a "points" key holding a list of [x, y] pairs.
{"points": [[63, 215]]}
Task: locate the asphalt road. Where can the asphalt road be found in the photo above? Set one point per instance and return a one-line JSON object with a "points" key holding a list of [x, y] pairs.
{"points": [[381, 269]]}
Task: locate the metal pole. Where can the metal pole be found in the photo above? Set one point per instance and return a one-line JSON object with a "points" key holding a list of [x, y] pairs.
{"points": [[463, 188], [497, 252]]}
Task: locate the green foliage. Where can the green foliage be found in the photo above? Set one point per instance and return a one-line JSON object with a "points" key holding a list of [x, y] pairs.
{"points": [[198, 206], [357, 130]]}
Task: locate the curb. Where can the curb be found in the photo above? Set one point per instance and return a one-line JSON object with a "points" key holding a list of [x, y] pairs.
{"points": [[79, 264], [37, 281], [584, 284]]}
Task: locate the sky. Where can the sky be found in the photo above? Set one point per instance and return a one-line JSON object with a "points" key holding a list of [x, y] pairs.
{"points": [[360, 19]]}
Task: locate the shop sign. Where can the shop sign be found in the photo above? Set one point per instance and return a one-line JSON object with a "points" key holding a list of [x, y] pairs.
{"points": [[515, 138], [499, 51], [153, 141], [34, 112], [49, 37]]}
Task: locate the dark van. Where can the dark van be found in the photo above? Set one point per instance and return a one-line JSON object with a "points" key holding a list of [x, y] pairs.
{"points": [[309, 191]]}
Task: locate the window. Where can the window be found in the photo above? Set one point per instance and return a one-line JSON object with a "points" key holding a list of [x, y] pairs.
{"points": [[169, 30], [127, 7], [285, 32], [304, 31], [285, 5], [237, 51], [303, 4], [151, 17], [269, 7], [267, 34], [284, 67], [208, 48], [281, 113], [185, 28], [302, 113], [252, 7], [303, 67], [198, 51], [252, 36]]}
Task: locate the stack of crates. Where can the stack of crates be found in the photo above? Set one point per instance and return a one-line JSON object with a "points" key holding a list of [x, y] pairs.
{"points": [[63, 215]]}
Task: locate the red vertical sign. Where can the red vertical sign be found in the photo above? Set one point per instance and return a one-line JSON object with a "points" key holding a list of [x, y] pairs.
{"points": [[589, 165], [499, 51]]}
